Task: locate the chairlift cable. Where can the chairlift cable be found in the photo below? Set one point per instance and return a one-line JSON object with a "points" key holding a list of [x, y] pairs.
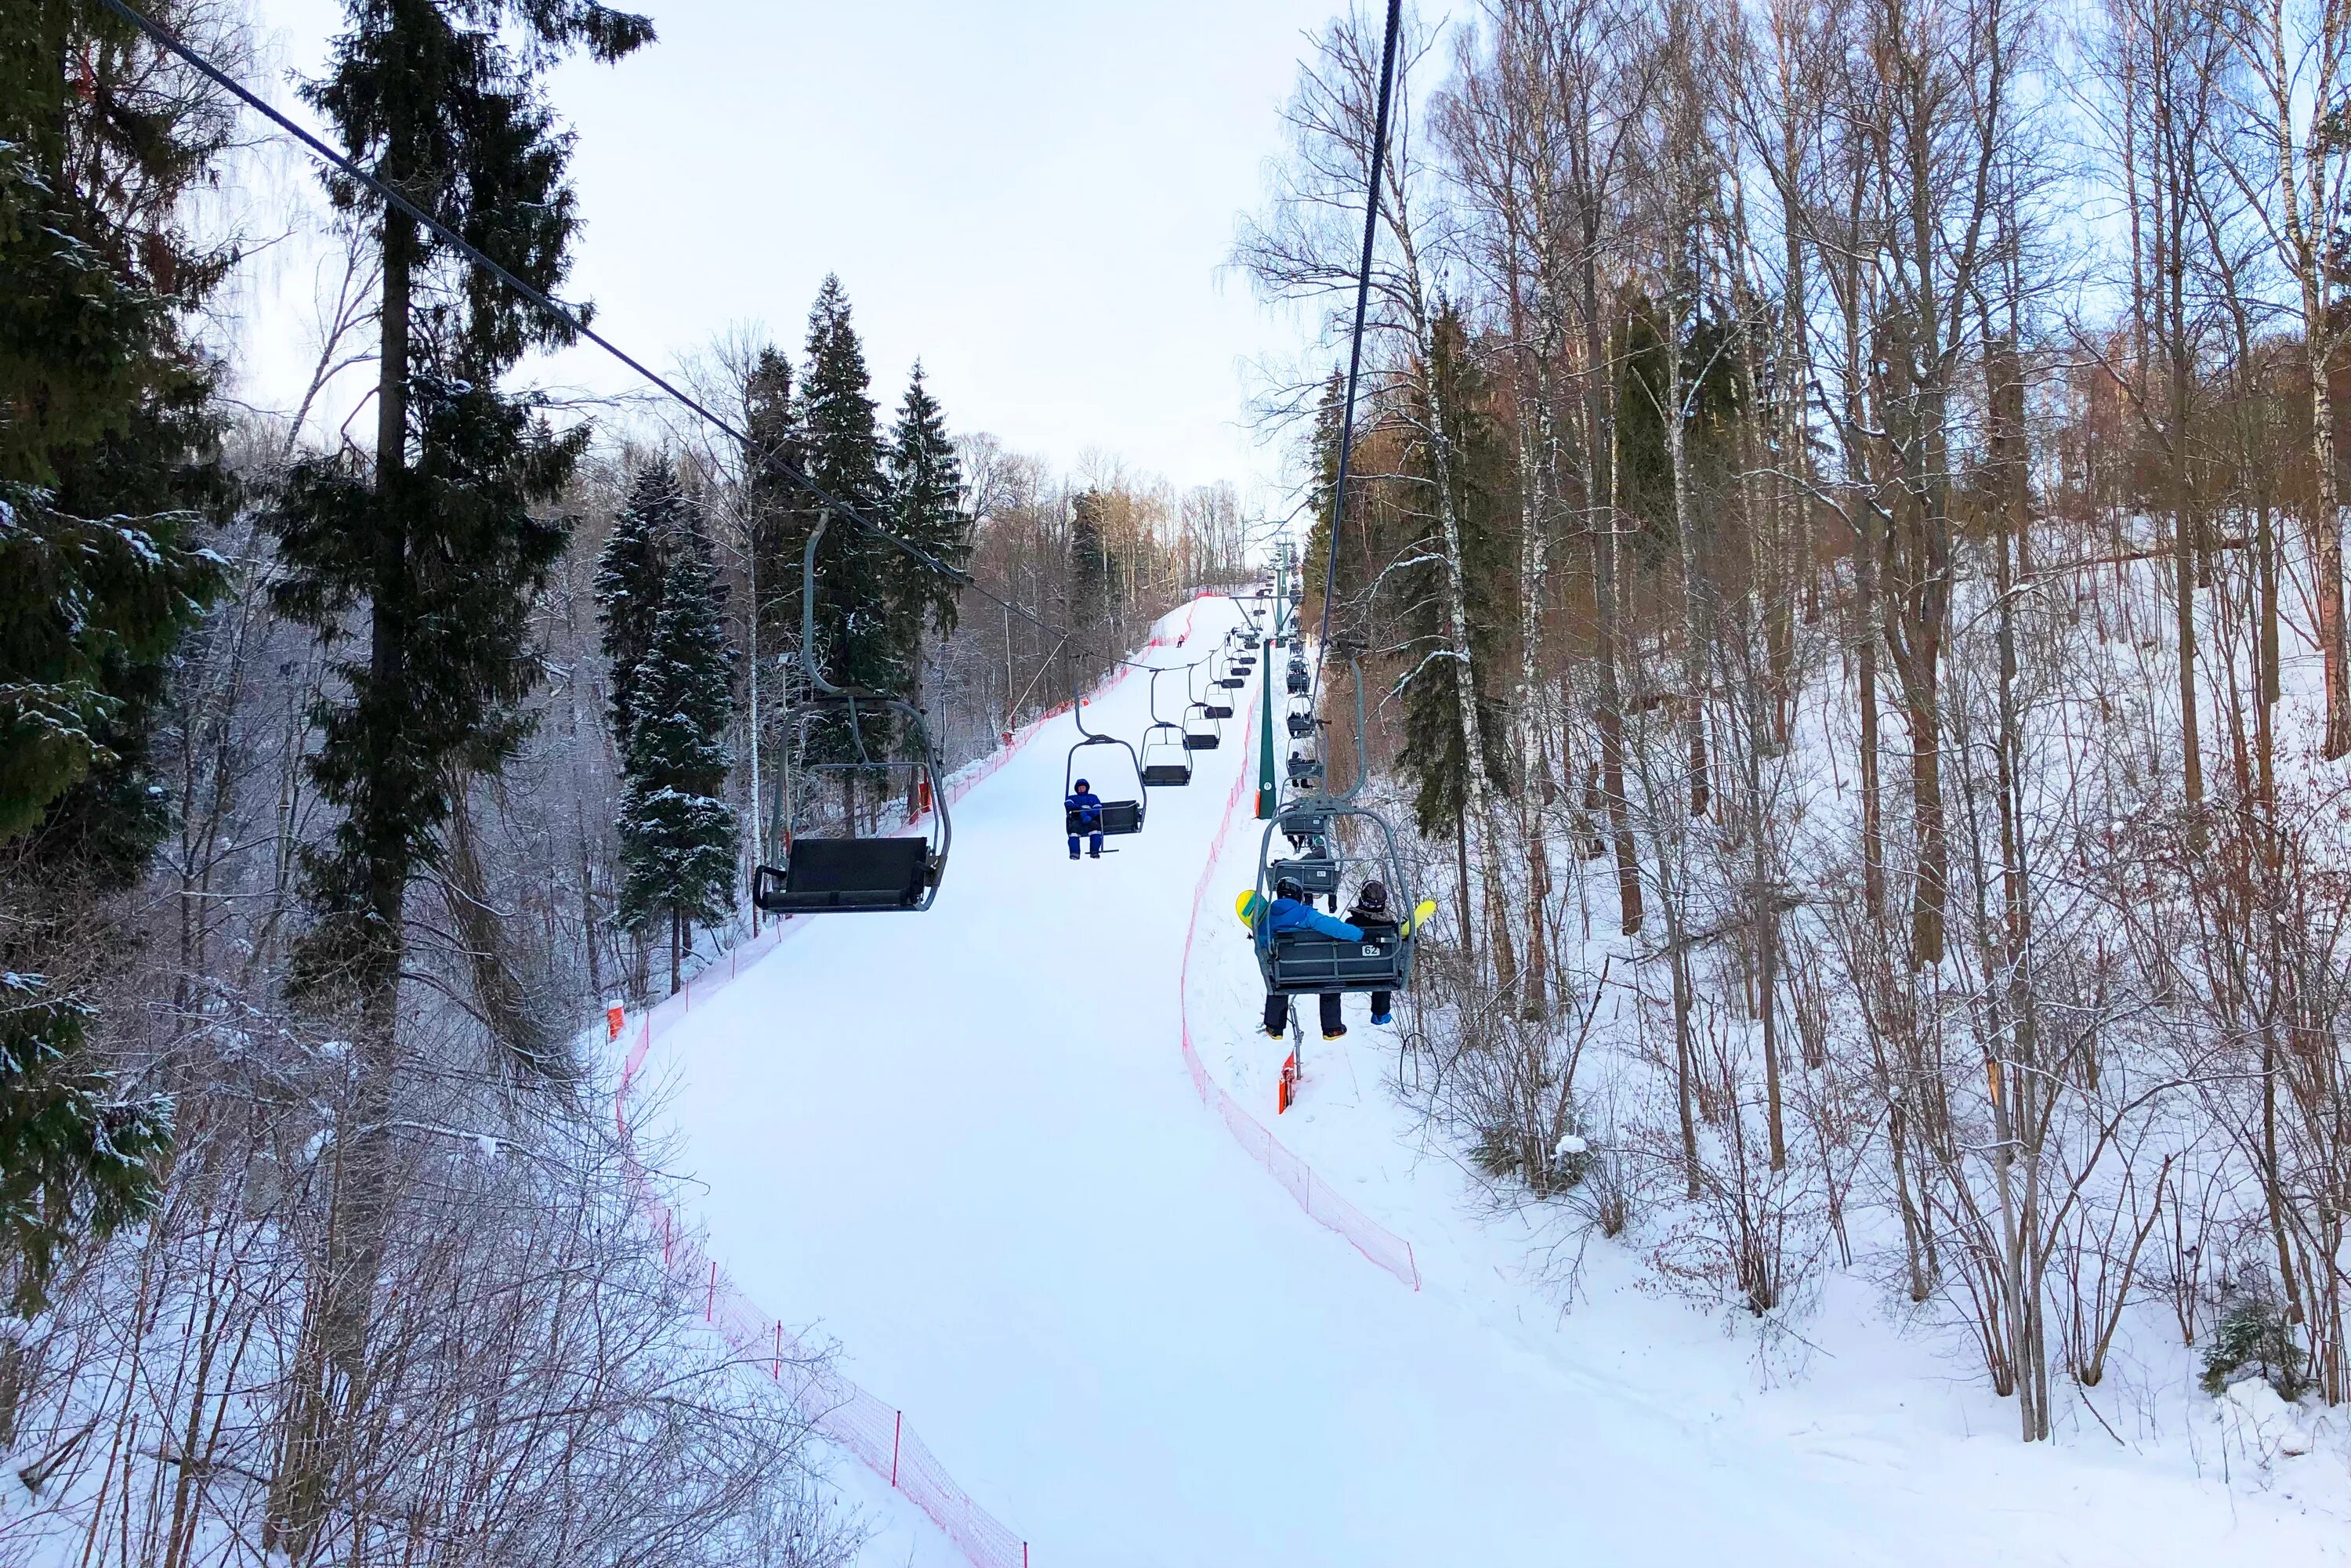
{"points": [[1355, 343], [571, 317]]}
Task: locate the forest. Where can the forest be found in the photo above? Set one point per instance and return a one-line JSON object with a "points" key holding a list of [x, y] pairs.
{"points": [[1842, 553], [347, 778], [1845, 549]]}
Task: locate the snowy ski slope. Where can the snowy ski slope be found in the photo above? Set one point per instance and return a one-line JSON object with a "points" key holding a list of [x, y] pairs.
{"points": [[964, 1146]]}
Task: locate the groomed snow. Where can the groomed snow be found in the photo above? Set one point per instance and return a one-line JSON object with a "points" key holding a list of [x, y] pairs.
{"points": [[963, 1146]]}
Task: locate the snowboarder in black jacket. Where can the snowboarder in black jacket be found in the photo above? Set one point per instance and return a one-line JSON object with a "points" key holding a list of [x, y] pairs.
{"points": [[1369, 914]]}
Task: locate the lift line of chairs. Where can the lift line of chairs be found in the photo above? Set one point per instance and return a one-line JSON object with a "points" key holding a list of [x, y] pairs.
{"points": [[1315, 854]]}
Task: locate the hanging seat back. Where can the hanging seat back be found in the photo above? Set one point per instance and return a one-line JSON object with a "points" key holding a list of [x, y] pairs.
{"points": [[820, 875], [1115, 816], [1307, 961], [1318, 874]]}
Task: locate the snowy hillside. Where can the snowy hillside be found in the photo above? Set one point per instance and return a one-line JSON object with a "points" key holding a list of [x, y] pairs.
{"points": [[964, 1147]]}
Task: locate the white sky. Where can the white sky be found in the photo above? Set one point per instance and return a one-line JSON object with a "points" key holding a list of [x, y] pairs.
{"points": [[1037, 198]]}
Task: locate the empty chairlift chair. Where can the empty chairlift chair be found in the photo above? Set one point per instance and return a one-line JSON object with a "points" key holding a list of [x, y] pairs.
{"points": [[829, 867], [1201, 732], [1214, 701], [1166, 748]]}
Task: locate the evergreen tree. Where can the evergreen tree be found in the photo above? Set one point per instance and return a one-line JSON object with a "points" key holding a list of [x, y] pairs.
{"points": [[842, 444], [438, 552], [838, 439], [775, 505], [925, 509], [1433, 757], [1090, 572], [107, 470], [628, 586], [677, 830], [1323, 492], [427, 564]]}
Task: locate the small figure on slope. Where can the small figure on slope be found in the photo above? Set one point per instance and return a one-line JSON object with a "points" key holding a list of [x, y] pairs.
{"points": [[1082, 812]]}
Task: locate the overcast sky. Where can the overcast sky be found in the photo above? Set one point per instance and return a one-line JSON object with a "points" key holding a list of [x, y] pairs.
{"points": [[1036, 198]]}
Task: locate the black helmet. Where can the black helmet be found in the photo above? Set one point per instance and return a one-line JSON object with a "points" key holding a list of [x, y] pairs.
{"points": [[1373, 899], [1083, 785], [1290, 888]]}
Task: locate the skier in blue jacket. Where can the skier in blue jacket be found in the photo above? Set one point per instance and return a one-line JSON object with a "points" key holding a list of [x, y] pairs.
{"points": [[1292, 910], [1083, 812]]}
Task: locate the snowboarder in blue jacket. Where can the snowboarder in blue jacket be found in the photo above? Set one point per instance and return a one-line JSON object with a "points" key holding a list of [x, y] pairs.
{"points": [[1083, 813], [1292, 910]]}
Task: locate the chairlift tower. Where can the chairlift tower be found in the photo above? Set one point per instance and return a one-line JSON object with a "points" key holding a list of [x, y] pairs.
{"points": [[1269, 792]]}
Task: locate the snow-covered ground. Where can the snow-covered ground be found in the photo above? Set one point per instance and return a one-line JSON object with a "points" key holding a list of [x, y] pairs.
{"points": [[964, 1146]]}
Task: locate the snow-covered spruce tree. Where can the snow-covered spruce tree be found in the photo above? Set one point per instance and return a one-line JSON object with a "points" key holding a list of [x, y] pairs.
{"points": [[925, 510], [840, 441], [107, 471], [774, 504], [677, 829], [629, 587], [425, 562], [842, 447]]}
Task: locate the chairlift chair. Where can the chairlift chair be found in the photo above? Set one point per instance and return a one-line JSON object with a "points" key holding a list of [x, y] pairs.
{"points": [[1118, 816], [1300, 718], [1304, 962], [1166, 748], [1213, 702], [852, 873]]}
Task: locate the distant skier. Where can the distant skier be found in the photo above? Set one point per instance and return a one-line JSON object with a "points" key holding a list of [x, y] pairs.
{"points": [[1290, 911], [1082, 812], [1369, 913]]}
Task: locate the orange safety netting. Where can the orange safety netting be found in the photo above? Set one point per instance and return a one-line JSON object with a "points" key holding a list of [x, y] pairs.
{"points": [[1319, 1198], [869, 1427]]}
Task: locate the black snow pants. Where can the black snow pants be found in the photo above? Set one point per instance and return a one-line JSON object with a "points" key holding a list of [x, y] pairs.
{"points": [[1277, 1013]]}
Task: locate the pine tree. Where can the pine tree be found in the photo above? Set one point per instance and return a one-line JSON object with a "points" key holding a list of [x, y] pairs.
{"points": [[107, 470], [840, 441], [926, 510], [428, 562], [1090, 572], [441, 548], [773, 459], [677, 829], [628, 586], [1433, 757], [842, 447], [1323, 492]]}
